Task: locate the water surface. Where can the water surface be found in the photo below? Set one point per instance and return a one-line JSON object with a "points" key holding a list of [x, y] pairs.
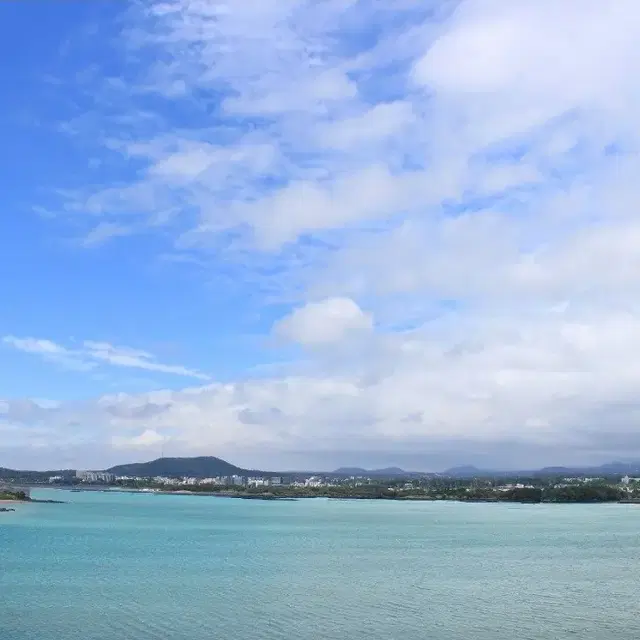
{"points": [[149, 567]]}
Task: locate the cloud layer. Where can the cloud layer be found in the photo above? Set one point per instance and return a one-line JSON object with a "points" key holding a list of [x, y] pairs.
{"points": [[445, 194]]}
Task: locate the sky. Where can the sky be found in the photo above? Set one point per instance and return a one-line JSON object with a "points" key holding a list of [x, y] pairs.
{"points": [[298, 234]]}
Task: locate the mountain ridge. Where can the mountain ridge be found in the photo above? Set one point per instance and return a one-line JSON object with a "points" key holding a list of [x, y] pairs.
{"points": [[386, 472], [197, 467], [609, 468], [211, 466], [33, 476]]}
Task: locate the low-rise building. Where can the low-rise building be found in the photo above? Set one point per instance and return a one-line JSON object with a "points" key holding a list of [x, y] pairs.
{"points": [[95, 476]]}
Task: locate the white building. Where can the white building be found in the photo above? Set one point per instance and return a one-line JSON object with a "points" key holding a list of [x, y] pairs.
{"points": [[257, 482], [95, 476]]}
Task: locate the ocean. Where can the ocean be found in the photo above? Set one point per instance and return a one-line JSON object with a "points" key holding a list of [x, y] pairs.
{"points": [[114, 566]]}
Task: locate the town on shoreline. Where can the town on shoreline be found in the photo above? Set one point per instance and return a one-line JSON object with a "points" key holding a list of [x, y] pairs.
{"points": [[585, 489]]}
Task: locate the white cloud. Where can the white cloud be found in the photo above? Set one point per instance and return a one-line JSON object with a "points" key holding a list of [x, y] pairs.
{"points": [[328, 321], [92, 354], [48, 350], [370, 194], [497, 50], [380, 122], [547, 382], [145, 440], [103, 232], [468, 171], [34, 345]]}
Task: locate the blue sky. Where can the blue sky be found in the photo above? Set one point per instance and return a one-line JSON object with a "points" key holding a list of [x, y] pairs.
{"points": [[128, 291], [298, 234]]}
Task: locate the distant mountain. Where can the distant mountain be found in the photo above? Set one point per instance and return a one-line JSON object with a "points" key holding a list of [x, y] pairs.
{"points": [[469, 471], [620, 467], [466, 471], [389, 472], [202, 467], [556, 471], [609, 469], [350, 471], [33, 476], [209, 466]]}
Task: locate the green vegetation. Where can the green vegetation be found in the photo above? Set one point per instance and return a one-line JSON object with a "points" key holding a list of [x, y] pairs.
{"points": [[584, 493], [200, 467], [32, 477], [458, 490], [5, 494], [184, 475]]}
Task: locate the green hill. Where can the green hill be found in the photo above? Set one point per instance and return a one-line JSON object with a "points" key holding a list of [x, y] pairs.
{"points": [[33, 476], [202, 467]]}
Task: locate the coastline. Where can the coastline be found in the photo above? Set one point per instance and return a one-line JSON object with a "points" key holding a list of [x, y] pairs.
{"points": [[268, 496], [597, 494], [30, 501], [294, 497]]}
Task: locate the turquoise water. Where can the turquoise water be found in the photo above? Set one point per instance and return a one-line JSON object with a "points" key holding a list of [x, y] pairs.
{"points": [[147, 567]]}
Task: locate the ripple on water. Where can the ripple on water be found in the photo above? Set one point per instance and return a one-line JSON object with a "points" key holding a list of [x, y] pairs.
{"points": [[131, 567]]}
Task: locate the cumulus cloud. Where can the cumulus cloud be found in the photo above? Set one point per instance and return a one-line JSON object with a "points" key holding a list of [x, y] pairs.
{"points": [[466, 172], [548, 383], [145, 440], [324, 322]]}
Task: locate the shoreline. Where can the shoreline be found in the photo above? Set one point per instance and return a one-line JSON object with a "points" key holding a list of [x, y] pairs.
{"points": [[5, 503], [294, 498], [302, 495]]}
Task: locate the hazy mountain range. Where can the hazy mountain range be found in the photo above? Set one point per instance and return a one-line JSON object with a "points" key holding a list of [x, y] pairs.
{"points": [[210, 466]]}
